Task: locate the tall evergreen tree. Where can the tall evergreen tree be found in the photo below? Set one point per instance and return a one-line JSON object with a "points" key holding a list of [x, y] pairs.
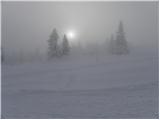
{"points": [[53, 44], [121, 43], [65, 46]]}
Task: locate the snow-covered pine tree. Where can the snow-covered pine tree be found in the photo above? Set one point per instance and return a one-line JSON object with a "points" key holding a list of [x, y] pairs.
{"points": [[53, 44], [65, 46], [121, 46]]}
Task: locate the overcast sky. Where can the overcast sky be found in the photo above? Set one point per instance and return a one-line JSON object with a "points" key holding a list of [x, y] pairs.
{"points": [[27, 25]]}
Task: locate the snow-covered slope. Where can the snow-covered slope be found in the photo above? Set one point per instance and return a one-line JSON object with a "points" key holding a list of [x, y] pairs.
{"points": [[82, 87]]}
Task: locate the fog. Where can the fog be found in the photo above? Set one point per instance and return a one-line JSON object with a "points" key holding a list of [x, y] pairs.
{"points": [[26, 26], [92, 60]]}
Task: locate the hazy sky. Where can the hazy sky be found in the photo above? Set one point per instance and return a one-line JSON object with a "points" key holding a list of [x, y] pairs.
{"points": [[27, 25]]}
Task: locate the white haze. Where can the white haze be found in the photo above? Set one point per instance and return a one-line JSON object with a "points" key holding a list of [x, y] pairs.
{"points": [[85, 82], [26, 26]]}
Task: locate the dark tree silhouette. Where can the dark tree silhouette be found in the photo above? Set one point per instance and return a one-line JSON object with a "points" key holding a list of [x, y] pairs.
{"points": [[65, 46], [121, 46], [53, 44]]}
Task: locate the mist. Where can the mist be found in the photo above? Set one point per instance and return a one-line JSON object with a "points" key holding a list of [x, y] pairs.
{"points": [[26, 26], [80, 60]]}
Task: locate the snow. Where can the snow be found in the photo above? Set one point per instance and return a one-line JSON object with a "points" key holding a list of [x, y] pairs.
{"points": [[82, 87]]}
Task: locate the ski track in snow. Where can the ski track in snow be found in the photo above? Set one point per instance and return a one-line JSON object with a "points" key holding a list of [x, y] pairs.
{"points": [[122, 87]]}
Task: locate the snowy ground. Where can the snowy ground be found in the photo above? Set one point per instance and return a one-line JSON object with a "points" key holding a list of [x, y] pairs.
{"points": [[101, 87]]}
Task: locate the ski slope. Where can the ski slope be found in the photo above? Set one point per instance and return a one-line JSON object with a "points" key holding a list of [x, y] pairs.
{"points": [[82, 87]]}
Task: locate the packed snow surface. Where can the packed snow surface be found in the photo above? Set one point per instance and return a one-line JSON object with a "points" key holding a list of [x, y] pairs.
{"points": [[123, 86]]}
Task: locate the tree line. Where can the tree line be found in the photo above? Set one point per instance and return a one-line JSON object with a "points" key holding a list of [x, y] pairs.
{"points": [[55, 49], [117, 44]]}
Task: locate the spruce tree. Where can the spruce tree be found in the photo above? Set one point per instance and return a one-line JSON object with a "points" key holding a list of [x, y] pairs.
{"points": [[65, 46], [121, 46], [53, 44]]}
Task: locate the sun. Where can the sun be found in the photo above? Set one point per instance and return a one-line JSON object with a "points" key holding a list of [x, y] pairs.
{"points": [[71, 34]]}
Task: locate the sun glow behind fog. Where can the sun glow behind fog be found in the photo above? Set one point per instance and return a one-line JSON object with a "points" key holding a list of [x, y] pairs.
{"points": [[71, 35]]}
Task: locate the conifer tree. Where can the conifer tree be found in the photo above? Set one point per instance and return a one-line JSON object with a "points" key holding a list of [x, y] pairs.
{"points": [[53, 44], [65, 46], [121, 46]]}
